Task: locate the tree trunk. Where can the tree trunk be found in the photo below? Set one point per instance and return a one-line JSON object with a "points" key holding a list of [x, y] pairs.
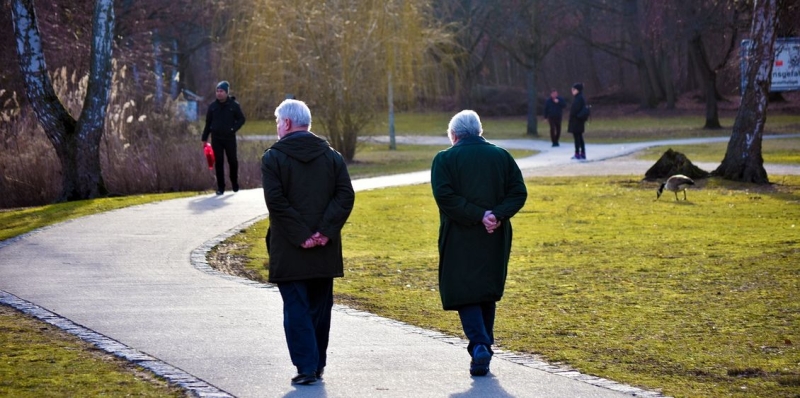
{"points": [[531, 88], [743, 161], [669, 82], [77, 143], [709, 78], [631, 22], [655, 76]]}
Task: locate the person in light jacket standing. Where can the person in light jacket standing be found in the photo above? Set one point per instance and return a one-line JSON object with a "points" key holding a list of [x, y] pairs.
{"points": [[223, 119], [478, 187], [309, 197]]}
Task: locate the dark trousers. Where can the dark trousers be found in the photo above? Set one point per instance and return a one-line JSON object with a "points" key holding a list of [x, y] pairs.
{"points": [[580, 146], [307, 321], [478, 323], [221, 149], [555, 129]]}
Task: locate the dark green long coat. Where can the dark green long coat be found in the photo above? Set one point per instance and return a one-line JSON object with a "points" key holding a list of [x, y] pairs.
{"points": [[467, 179], [307, 189]]}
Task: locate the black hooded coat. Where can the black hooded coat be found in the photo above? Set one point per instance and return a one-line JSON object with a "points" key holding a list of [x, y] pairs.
{"points": [[307, 189]]}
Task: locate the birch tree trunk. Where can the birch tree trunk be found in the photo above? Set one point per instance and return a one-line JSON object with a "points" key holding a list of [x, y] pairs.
{"points": [[743, 161], [77, 142]]}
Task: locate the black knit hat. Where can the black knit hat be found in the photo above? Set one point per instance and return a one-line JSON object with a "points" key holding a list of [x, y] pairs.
{"points": [[578, 86], [223, 85]]}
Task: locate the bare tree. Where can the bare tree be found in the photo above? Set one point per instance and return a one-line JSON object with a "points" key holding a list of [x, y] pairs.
{"points": [[528, 30], [470, 21], [711, 21], [335, 55], [77, 142], [743, 160]]}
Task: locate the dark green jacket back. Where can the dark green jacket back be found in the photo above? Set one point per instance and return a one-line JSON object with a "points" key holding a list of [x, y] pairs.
{"points": [[467, 179], [307, 189]]}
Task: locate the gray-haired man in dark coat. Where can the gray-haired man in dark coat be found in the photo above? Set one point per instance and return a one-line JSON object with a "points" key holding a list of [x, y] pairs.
{"points": [[309, 196], [478, 187]]}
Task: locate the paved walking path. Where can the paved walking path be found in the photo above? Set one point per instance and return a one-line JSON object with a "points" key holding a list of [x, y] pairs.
{"points": [[135, 282]]}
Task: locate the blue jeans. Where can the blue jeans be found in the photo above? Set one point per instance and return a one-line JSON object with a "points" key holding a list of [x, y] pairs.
{"points": [[307, 308], [478, 323]]}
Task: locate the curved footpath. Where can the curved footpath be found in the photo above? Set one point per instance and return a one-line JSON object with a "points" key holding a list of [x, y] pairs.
{"points": [[135, 283]]}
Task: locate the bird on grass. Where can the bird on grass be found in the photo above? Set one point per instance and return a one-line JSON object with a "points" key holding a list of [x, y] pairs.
{"points": [[676, 183]]}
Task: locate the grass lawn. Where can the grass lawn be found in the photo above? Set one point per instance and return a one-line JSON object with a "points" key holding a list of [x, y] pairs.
{"points": [[39, 360], [599, 129], [696, 298], [782, 151]]}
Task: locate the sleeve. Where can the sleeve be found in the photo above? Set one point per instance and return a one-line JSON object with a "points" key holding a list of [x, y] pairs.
{"points": [[207, 128], [284, 219], [341, 204], [453, 205], [515, 192], [238, 118]]}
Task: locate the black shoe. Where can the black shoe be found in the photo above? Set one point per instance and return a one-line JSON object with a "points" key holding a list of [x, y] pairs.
{"points": [[480, 360], [235, 187], [304, 379], [478, 370], [219, 192], [319, 373], [555, 144]]}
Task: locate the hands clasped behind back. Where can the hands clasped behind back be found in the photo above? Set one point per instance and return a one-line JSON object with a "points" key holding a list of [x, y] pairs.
{"points": [[315, 240], [490, 221]]}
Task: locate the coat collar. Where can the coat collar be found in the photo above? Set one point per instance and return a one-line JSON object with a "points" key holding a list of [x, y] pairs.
{"points": [[470, 140]]}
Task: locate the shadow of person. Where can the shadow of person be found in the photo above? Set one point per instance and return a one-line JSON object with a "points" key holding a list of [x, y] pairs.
{"points": [[206, 203], [313, 391], [486, 386]]}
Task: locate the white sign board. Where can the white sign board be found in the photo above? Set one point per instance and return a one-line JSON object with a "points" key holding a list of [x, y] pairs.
{"points": [[785, 67]]}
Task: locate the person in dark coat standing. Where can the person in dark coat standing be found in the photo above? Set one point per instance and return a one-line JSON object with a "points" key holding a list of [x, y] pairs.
{"points": [[309, 197], [478, 187], [553, 113], [223, 119], [578, 114]]}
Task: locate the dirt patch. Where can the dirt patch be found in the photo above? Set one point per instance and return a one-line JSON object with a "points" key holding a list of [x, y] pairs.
{"points": [[224, 258]]}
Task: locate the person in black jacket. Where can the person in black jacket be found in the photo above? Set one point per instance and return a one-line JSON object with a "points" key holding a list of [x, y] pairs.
{"points": [[309, 197], [578, 114], [223, 119], [553, 108]]}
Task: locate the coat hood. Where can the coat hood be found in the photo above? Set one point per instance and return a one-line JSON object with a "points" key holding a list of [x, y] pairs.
{"points": [[302, 145]]}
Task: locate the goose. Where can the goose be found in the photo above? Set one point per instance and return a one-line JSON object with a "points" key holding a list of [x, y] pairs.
{"points": [[676, 183]]}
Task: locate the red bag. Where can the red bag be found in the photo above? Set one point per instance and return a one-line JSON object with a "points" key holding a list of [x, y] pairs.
{"points": [[209, 155]]}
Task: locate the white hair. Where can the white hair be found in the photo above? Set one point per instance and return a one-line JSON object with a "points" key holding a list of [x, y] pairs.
{"points": [[294, 110], [465, 123]]}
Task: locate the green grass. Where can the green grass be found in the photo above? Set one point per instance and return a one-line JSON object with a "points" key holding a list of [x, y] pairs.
{"points": [[15, 222], [599, 129], [375, 159], [39, 360], [696, 298], [781, 151]]}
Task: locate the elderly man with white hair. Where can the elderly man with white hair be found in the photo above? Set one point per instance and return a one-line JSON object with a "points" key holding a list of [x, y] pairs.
{"points": [[478, 187], [309, 196]]}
